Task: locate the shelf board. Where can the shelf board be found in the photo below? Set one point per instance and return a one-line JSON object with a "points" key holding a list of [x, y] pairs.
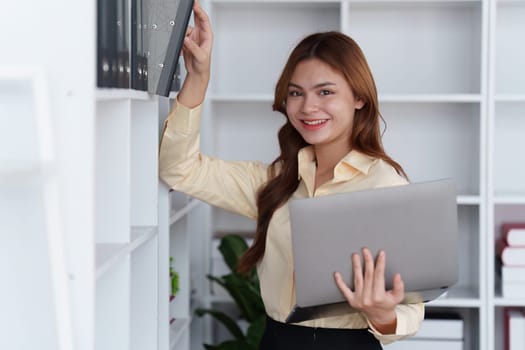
{"points": [[109, 254], [468, 200], [390, 98], [233, 97], [110, 94], [20, 174], [500, 301], [458, 297], [179, 214], [177, 329], [510, 97], [430, 98], [509, 199]]}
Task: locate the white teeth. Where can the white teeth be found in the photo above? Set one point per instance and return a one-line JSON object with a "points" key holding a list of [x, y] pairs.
{"points": [[314, 122]]}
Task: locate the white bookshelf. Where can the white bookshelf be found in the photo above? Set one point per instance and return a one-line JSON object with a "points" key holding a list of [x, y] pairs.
{"points": [[436, 68], [506, 192], [86, 235]]}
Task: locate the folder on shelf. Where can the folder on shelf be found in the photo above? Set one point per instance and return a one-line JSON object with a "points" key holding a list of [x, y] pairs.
{"points": [[107, 43], [173, 48]]}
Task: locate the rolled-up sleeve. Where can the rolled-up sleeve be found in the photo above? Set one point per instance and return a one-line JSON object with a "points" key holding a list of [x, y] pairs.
{"points": [[409, 318], [231, 185]]}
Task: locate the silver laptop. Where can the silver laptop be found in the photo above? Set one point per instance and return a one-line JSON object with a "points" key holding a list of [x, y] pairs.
{"points": [[415, 224]]}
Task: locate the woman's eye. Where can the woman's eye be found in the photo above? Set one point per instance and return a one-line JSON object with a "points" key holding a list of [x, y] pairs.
{"points": [[294, 93], [325, 92]]}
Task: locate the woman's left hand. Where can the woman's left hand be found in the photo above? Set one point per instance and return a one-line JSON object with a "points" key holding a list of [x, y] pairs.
{"points": [[370, 295]]}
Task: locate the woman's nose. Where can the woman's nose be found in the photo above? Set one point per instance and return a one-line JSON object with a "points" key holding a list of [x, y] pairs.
{"points": [[310, 104]]}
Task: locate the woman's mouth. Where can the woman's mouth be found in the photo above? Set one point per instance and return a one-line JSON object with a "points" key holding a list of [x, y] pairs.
{"points": [[313, 123]]}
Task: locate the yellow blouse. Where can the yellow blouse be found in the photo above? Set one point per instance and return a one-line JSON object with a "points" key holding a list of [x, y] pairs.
{"points": [[232, 185]]}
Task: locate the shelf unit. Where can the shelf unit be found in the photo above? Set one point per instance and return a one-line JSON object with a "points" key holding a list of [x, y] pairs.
{"points": [[86, 263], [506, 191], [139, 225], [451, 88]]}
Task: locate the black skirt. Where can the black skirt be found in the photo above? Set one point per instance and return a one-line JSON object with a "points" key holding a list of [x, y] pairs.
{"points": [[283, 336]]}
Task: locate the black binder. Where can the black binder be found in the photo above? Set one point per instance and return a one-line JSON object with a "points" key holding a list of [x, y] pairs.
{"points": [[174, 47]]}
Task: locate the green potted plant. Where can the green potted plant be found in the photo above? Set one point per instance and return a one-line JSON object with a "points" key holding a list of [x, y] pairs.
{"points": [[244, 290], [174, 279]]}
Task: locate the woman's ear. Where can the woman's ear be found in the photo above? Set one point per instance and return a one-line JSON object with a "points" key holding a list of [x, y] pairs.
{"points": [[359, 103]]}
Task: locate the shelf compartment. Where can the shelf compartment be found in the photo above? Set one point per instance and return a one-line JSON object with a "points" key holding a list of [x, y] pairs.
{"points": [[178, 200], [466, 297], [112, 178], [449, 133], [110, 254], [469, 240], [503, 213], [177, 215], [112, 312], [509, 139], [144, 295], [509, 57], [472, 324], [178, 329], [179, 248], [499, 325], [144, 140], [443, 54], [246, 131], [257, 69]]}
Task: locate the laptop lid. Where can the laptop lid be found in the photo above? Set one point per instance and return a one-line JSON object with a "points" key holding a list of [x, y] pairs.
{"points": [[415, 224]]}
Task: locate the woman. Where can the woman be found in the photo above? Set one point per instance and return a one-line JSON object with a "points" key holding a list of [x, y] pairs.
{"points": [[330, 143]]}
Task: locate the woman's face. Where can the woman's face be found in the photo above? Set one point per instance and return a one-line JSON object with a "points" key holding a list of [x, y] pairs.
{"points": [[321, 105]]}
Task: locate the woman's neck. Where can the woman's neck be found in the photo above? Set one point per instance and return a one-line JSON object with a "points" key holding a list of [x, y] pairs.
{"points": [[326, 160]]}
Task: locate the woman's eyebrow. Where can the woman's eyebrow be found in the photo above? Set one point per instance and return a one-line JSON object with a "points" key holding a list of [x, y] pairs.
{"points": [[316, 86]]}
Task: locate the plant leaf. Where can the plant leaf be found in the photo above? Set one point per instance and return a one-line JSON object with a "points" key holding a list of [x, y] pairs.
{"points": [[255, 331], [246, 296], [226, 320], [232, 248]]}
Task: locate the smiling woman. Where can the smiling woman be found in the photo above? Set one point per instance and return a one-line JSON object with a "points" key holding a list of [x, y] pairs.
{"points": [[321, 107], [330, 143]]}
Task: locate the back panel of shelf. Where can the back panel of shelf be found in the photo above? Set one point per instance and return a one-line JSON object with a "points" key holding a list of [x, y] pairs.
{"points": [[420, 47], [143, 162], [435, 140], [144, 296], [112, 312], [112, 176], [509, 142], [509, 55], [469, 250], [253, 40], [246, 131]]}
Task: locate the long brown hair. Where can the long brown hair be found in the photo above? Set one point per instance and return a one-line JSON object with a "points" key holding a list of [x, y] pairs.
{"points": [[344, 55]]}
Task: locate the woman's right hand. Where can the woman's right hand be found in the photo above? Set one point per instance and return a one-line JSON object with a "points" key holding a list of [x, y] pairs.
{"points": [[196, 50]]}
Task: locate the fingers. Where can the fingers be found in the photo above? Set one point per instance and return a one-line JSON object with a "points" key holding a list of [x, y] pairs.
{"points": [[201, 19], [398, 289], [379, 273], [347, 293], [358, 273], [369, 270]]}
